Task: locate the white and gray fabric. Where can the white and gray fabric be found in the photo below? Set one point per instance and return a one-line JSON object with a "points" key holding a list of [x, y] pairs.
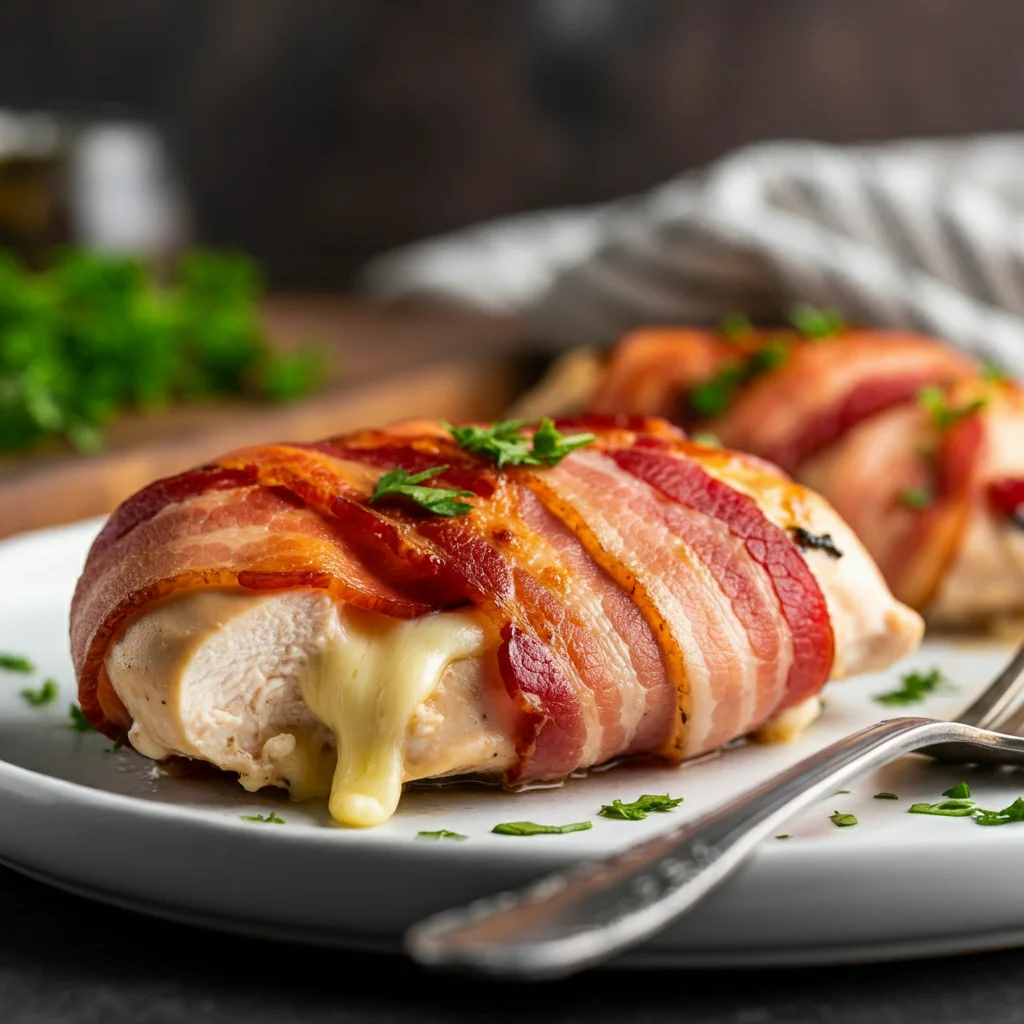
{"points": [[922, 235]]}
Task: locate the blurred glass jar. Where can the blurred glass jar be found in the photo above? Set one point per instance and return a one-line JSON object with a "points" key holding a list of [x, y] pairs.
{"points": [[33, 199], [105, 185]]}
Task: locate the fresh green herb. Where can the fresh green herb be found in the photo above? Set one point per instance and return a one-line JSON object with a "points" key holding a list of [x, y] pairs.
{"points": [[943, 415], [550, 445], [1007, 816], [945, 808], [841, 792], [270, 819], [504, 443], [961, 791], [438, 500], [639, 808], [706, 438], [94, 336], [78, 721], [46, 694], [735, 326], [770, 356], [886, 796], [16, 663], [528, 828], [441, 833], [823, 542], [119, 742], [816, 323], [842, 820], [714, 396], [994, 373], [915, 686], [916, 498], [785, 835]]}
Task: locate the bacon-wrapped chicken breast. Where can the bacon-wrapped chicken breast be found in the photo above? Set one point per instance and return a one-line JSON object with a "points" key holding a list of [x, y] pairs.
{"points": [[393, 605], [917, 446]]}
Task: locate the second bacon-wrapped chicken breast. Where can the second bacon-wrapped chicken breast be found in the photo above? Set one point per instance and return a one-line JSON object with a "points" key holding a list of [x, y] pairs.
{"points": [[916, 445], [343, 617]]}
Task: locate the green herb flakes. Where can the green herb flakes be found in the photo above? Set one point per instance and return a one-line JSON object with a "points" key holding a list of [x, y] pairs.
{"points": [[46, 694], [814, 322], [441, 833], [269, 819], [914, 688], [78, 721], [735, 326], [916, 498], [944, 808], [639, 808], [529, 828], [1007, 816], [886, 796], [785, 835], [961, 791], [438, 500], [16, 663], [842, 820], [943, 415], [504, 443]]}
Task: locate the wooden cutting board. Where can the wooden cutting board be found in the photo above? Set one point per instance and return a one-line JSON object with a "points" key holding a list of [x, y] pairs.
{"points": [[390, 364]]}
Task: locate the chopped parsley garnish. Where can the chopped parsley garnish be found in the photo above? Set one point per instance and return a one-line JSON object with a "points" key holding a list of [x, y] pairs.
{"points": [[816, 323], [714, 396], [269, 819], [915, 686], [841, 792], [438, 500], [529, 828], [1007, 816], [78, 721], [550, 445], [639, 808], [916, 498], [944, 808], [16, 663], [735, 326], [886, 796], [441, 833], [961, 791], [842, 820], [770, 356], [46, 694], [943, 415], [119, 742], [785, 835], [504, 443], [994, 373], [822, 542]]}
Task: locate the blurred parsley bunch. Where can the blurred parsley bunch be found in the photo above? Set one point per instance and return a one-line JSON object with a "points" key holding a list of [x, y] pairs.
{"points": [[94, 336]]}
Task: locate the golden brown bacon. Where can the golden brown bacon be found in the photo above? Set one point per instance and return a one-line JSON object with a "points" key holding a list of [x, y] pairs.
{"points": [[645, 601], [842, 414]]}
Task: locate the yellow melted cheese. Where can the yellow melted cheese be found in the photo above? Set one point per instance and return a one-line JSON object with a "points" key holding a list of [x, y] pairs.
{"points": [[365, 684]]}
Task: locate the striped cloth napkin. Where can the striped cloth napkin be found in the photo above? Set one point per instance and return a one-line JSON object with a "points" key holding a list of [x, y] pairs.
{"points": [[925, 235]]}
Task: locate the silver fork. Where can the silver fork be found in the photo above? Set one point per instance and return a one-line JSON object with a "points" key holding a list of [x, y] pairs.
{"points": [[581, 916]]}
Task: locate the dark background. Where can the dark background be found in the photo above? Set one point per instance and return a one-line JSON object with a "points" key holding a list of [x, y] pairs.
{"points": [[316, 133]]}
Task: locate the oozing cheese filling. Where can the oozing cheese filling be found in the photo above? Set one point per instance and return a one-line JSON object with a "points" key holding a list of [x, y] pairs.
{"points": [[365, 683], [273, 686]]}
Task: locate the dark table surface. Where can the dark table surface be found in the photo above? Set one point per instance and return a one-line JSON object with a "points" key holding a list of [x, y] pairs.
{"points": [[66, 959]]}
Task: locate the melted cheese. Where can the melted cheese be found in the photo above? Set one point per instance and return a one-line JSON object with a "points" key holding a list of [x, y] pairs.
{"points": [[365, 683]]}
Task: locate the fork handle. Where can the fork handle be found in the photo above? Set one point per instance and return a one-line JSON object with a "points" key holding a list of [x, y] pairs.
{"points": [[581, 916]]}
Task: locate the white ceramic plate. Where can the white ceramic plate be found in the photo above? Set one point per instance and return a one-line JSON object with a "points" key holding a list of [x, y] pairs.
{"points": [[112, 825]]}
